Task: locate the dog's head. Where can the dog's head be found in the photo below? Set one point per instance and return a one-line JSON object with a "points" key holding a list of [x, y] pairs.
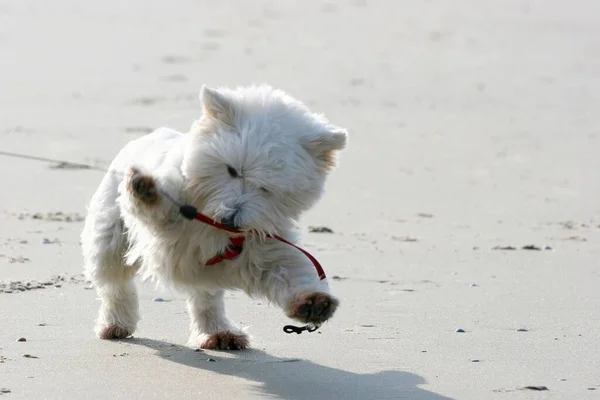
{"points": [[258, 158]]}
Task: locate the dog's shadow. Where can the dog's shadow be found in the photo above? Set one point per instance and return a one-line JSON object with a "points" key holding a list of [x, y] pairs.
{"points": [[295, 378]]}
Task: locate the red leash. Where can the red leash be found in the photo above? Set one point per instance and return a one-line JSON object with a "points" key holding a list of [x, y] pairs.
{"points": [[235, 247]]}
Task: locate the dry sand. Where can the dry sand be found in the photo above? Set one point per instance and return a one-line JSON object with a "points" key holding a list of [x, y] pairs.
{"points": [[474, 125]]}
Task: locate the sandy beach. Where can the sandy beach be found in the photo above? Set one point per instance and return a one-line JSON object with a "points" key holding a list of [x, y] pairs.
{"points": [[465, 211]]}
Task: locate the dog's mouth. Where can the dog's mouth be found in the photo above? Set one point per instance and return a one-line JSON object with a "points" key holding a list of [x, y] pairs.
{"points": [[230, 223], [238, 222], [244, 230]]}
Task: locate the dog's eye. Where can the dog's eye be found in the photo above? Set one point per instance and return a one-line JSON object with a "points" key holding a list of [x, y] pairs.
{"points": [[232, 172]]}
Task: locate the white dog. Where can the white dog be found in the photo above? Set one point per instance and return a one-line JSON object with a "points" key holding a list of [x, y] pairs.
{"points": [[255, 160]]}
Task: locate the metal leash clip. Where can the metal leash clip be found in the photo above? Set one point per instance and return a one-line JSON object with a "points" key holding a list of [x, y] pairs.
{"points": [[299, 329]]}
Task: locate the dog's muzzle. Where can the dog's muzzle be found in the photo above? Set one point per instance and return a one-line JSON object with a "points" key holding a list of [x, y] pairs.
{"points": [[229, 221]]}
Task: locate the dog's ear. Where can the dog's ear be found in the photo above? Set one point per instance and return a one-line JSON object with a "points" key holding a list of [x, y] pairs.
{"points": [[217, 106], [324, 147]]}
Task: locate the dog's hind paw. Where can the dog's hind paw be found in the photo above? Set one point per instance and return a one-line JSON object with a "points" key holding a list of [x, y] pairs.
{"points": [[112, 331], [225, 341], [313, 307]]}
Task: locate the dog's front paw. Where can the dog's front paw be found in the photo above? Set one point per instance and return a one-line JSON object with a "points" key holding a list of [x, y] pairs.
{"points": [[224, 341], [112, 331], [313, 307], [143, 187]]}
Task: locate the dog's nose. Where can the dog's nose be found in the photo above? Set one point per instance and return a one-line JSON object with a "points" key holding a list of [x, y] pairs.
{"points": [[229, 221]]}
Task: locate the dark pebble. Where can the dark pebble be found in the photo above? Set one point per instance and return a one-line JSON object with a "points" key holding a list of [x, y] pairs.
{"points": [[591, 388], [425, 215], [159, 300], [21, 339], [460, 330], [547, 248], [197, 350], [29, 356], [522, 330], [504, 248], [538, 388], [319, 229], [531, 247], [474, 360], [211, 360]]}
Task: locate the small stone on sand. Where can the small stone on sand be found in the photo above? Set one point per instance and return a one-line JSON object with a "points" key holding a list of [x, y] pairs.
{"points": [[319, 229], [504, 248], [460, 330], [537, 388], [21, 339]]}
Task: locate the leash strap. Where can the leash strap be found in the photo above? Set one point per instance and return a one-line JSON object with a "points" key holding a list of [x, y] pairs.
{"points": [[312, 259], [191, 213]]}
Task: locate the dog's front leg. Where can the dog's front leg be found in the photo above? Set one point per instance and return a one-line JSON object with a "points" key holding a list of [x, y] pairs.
{"points": [[292, 282], [210, 328], [147, 197]]}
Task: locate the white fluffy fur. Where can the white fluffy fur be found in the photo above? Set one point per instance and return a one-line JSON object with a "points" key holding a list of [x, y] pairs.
{"points": [[282, 152]]}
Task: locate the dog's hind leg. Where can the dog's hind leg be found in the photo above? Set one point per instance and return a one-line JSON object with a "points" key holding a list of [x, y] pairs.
{"points": [[210, 328], [104, 244]]}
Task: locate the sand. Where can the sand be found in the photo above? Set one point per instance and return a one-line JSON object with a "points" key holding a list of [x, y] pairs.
{"points": [[473, 126]]}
